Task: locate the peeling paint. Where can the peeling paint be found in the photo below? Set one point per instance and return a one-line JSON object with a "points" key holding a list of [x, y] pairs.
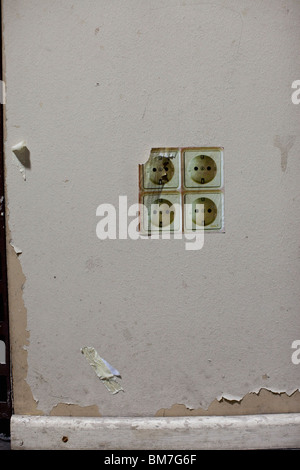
{"points": [[18, 251], [23, 155], [23, 400], [19, 147], [69, 409], [264, 401], [22, 171], [103, 369], [238, 398]]}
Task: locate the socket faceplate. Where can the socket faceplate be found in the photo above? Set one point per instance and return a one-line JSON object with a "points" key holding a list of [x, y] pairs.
{"points": [[162, 213], [203, 168], [161, 171], [203, 211], [182, 190]]}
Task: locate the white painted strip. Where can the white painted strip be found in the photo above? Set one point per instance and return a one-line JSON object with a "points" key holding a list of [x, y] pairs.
{"points": [[269, 431]]}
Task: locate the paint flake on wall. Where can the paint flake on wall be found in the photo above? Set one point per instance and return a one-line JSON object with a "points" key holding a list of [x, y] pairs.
{"points": [[103, 369]]}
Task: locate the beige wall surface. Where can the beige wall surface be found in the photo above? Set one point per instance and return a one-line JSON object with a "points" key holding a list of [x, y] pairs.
{"points": [[91, 87]]}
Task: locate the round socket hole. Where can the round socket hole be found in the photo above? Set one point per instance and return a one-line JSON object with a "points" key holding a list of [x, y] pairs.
{"points": [[162, 213], [207, 215], [161, 170], [202, 169]]}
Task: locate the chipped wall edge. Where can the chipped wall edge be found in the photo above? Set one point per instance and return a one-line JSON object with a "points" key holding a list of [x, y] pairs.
{"points": [[22, 397], [264, 401]]}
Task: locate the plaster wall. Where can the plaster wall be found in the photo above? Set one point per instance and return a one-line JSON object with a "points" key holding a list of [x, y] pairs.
{"points": [[91, 87]]}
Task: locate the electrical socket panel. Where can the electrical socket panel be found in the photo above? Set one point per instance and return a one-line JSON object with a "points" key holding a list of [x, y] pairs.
{"points": [[182, 190]]}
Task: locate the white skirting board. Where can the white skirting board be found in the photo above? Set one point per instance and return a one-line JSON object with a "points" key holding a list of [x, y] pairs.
{"points": [[268, 431]]}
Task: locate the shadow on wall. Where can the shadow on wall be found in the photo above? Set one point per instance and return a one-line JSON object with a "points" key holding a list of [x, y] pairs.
{"points": [[4, 434]]}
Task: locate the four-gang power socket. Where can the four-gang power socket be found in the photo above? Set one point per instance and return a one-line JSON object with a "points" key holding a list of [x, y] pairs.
{"points": [[182, 189]]}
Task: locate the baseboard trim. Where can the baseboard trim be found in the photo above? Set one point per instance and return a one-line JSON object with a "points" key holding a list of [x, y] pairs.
{"points": [[268, 431]]}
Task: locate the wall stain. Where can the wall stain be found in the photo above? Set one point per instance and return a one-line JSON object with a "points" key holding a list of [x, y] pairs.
{"points": [[284, 144]]}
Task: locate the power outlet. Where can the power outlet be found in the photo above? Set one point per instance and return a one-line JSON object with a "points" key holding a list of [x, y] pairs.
{"points": [[162, 213], [181, 190], [203, 168], [203, 211], [162, 170]]}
